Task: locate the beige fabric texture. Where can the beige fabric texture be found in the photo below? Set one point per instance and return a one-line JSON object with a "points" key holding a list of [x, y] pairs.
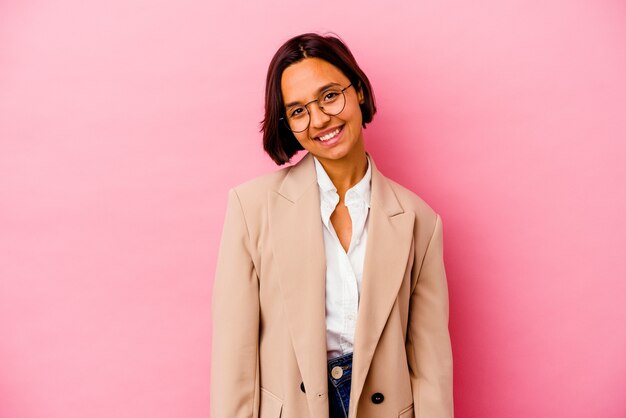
{"points": [[268, 305]]}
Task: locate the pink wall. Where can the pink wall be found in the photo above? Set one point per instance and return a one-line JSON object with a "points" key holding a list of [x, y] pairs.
{"points": [[124, 123]]}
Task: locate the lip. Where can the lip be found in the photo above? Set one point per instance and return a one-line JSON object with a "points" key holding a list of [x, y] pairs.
{"points": [[330, 142], [327, 131]]}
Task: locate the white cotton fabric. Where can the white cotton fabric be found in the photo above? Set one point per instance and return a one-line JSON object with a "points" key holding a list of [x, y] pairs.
{"points": [[344, 271]]}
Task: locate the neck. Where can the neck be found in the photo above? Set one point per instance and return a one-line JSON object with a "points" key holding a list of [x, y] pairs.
{"points": [[347, 171]]}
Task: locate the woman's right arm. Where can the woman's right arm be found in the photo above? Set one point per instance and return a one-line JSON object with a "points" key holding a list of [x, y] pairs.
{"points": [[235, 313]]}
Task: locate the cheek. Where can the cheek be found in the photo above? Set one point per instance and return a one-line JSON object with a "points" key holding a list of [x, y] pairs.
{"points": [[355, 117], [302, 138]]}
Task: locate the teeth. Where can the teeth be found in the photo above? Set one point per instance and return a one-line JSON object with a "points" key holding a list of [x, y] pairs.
{"points": [[330, 135]]}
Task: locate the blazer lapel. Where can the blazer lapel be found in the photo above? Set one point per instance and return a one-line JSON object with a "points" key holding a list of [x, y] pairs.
{"points": [[390, 234], [298, 247]]}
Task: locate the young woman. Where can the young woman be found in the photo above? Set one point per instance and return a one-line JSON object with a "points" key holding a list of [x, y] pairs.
{"points": [[330, 297]]}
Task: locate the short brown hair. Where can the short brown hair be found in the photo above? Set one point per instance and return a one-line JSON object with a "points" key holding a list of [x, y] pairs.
{"points": [[278, 141]]}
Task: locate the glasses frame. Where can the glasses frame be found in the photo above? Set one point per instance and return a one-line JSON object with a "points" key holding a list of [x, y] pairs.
{"points": [[306, 107]]}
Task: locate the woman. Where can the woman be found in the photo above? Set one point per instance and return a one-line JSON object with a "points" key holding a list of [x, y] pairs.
{"points": [[330, 296]]}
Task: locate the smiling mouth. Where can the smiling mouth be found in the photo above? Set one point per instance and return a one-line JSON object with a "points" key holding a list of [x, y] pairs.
{"points": [[330, 135]]}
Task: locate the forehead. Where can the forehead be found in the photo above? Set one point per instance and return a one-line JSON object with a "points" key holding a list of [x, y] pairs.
{"points": [[302, 80]]}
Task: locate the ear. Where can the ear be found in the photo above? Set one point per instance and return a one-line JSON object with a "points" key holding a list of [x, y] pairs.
{"points": [[359, 94]]}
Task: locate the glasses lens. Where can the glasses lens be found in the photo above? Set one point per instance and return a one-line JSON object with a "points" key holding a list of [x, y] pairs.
{"points": [[297, 118], [330, 102]]}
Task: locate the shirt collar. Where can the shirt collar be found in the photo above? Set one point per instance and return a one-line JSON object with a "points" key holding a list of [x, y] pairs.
{"points": [[360, 192]]}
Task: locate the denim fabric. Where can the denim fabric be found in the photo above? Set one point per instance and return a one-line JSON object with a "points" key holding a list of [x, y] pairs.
{"points": [[339, 389]]}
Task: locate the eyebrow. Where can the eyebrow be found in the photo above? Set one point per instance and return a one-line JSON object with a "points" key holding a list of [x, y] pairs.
{"points": [[321, 89]]}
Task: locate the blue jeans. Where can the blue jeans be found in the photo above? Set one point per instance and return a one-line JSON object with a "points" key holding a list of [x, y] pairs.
{"points": [[339, 382]]}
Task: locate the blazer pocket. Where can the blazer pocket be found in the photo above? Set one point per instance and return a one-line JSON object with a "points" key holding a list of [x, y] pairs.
{"points": [[407, 412], [271, 406]]}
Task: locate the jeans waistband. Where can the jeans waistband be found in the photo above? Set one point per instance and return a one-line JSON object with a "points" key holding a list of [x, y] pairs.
{"points": [[342, 360], [345, 362]]}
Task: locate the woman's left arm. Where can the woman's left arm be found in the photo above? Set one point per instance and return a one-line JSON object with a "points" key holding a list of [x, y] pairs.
{"points": [[428, 345]]}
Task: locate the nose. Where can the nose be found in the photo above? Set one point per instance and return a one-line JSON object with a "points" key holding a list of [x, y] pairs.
{"points": [[318, 118]]}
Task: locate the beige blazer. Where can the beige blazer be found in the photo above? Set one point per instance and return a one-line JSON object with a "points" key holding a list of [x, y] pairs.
{"points": [[269, 325]]}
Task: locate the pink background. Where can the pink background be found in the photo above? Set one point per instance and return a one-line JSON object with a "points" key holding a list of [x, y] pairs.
{"points": [[124, 123]]}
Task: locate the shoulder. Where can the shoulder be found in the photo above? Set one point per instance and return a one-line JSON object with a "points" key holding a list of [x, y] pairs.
{"points": [[254, 191], [411, 202]]}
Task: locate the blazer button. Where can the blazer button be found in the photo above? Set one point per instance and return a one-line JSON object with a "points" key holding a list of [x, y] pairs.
{"points": [[302, 387], [378, 398]]}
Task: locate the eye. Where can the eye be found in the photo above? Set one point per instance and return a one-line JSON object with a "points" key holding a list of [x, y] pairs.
{"points": [[296, 112], [330, 96]]}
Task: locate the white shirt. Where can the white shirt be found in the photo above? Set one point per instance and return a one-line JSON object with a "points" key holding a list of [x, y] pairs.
{"points": [[344, 271]]}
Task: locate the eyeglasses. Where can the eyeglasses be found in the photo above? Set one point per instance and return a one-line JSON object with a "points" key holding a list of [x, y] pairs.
{"points": [[331, 102]]}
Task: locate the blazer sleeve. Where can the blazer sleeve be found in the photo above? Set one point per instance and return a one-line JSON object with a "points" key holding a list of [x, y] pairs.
{"points": [[235, 318], [428, 345]]}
